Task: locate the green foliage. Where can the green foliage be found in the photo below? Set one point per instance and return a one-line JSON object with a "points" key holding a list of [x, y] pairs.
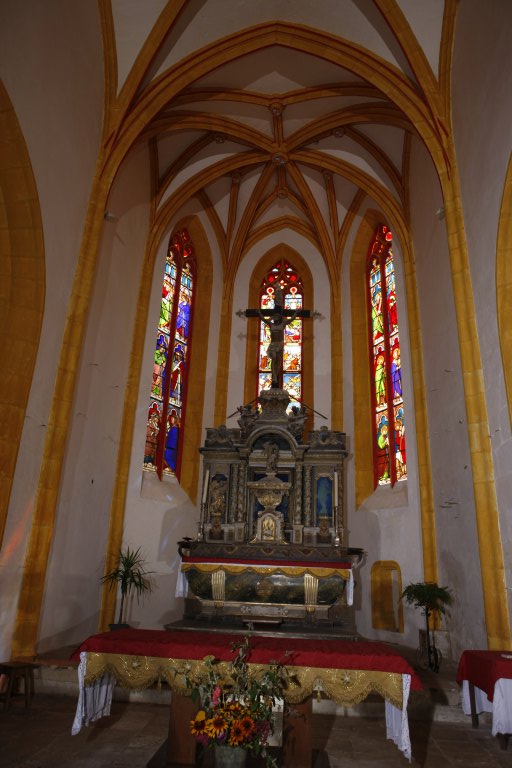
{"points": [[428, 596], [130, 576]]}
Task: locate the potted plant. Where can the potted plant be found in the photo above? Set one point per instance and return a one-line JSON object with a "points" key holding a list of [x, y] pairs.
{"points": [[430, 597], [235, 716], [130, 576]]}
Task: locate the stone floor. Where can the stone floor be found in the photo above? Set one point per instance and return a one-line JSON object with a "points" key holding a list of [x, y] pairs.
{"points": [[134, 735]]}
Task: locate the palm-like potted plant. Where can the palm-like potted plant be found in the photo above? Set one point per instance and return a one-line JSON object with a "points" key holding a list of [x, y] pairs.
{"points": [[131, 576], [430, 597]]}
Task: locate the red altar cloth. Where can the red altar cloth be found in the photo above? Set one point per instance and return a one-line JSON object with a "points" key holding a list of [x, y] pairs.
{"points": [[483, 669], [338, 564], [302, 652]]}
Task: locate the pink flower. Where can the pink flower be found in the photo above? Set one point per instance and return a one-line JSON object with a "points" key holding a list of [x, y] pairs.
{"points": [[216, 696]]}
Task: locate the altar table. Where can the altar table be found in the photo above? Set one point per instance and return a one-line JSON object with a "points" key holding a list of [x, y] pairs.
{"points": [[486, 679], [345, 671]]}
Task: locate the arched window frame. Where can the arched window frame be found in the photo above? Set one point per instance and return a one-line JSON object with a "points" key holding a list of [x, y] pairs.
{"points": [[284, 274], [179, 282], [386, 387]]}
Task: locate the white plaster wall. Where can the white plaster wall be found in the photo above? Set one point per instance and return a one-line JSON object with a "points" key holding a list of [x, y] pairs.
{"points": [[482, 117], [457, 545], [158, 514], [72, 594], [388, 524], [51, 66]]}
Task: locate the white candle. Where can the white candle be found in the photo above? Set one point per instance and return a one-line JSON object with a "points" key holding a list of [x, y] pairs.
{"points": [[335, 488], [205, 485]]}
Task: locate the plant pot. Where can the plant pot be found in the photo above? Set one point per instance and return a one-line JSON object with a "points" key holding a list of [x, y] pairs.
{"points": [[229, 757]]}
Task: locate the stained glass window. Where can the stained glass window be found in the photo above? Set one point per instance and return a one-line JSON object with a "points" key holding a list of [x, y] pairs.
{"points": [[166, 415], [388, 406], [284, 275]]}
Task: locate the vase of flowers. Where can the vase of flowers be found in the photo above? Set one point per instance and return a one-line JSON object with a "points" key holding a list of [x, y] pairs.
{"points": [[236, 706]]}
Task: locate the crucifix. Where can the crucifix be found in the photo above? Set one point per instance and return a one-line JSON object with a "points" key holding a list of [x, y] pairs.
{"points": [[277, 318]]}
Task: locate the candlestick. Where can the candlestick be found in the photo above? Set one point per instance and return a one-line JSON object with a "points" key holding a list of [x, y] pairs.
{"points": [[335, 488]]}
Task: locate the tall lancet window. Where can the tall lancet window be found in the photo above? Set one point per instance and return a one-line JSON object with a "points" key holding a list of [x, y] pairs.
{"points": [[283, 274], [167, 404], [388, 406]]}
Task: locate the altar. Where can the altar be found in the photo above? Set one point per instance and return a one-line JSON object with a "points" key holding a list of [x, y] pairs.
{"points": [[271, 542], [344, 671]]}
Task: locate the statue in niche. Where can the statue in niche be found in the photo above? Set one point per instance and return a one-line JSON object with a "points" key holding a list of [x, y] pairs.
{"points": [[271, 451]]}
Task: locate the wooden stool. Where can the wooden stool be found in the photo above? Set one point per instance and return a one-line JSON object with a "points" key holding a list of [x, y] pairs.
{"points": [[15, 671]]}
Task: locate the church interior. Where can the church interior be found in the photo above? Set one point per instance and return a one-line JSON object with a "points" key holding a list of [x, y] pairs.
{"points": [[354, 152]]}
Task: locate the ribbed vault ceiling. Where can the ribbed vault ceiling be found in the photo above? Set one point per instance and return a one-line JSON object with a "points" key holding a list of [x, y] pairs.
{"points": [[277, 115]]}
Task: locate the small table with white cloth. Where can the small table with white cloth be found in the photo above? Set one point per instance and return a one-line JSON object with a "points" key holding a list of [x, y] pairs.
{"points": [[486, 679]]}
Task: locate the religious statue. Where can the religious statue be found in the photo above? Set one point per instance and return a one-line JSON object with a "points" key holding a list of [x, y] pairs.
{"points": [[221, 436], [271, 451], [277, 323], [248, 419], [296, 420], [277, 318]]}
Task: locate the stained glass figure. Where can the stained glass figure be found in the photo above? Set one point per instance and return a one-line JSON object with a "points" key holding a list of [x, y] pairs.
{"points": [[283, 276], [168, 389], [389, 422]]}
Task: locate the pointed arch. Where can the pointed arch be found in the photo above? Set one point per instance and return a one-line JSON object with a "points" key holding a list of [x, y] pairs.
{"points": [[192, 435], [389, 449], [284, 275], [171, 360], [363, 437], [504, 284], [274, 255], [22, 291]]}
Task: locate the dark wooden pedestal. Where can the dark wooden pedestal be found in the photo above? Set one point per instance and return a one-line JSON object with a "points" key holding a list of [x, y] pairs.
{"points": [[296, 751], [181, 744]]}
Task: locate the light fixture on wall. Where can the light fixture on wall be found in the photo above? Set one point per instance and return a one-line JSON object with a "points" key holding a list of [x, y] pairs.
{"points": [[440, 213], [109, 216]]}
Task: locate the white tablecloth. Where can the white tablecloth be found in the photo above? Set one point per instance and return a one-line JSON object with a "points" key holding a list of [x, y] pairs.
{"points": [[501, 706]]}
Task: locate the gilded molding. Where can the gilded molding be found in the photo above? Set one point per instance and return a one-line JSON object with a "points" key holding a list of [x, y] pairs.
{"points": [[486, 504], [22, 291], [504, 284], [346, 687]]}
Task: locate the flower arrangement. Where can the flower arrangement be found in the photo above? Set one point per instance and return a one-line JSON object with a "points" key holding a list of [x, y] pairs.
{"points": [[236, 705]]}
